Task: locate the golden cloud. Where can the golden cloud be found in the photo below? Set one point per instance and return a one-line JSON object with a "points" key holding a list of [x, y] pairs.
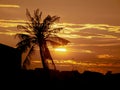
{"points": [[81, 51], [9, 6], [72, 26], [11, 23], [105, 56], [86, 64], [109, 44], [12, 33], [71, 30]]}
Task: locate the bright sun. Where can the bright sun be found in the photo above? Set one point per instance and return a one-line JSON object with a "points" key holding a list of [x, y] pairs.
{"points": [[61, 49]]}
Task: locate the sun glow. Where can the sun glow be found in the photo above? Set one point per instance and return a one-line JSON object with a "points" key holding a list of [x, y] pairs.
{"points": [[61, 49]]}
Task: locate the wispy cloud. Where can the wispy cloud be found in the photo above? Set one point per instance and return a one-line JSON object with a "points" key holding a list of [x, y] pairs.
{"points": [[81, 51], [104, 56], [9, 6], [76, 31], [87, 31], [70, 26], [11, 32], [7, 24], [87, 64], [99, 45], [10, 23]]}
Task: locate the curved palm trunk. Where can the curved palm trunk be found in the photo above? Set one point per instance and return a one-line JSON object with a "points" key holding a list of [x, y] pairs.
{"points": [[48, 55], [45, 54], [43, 59], [26, 62]]}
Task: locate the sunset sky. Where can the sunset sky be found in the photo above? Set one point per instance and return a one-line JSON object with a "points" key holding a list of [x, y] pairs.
{"points": [[92, 27]]}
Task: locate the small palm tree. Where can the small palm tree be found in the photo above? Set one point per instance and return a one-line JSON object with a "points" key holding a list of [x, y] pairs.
{"points": [[39, 32]]}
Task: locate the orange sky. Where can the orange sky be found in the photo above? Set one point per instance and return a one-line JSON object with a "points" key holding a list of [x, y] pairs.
{"points": [[92, 26]]}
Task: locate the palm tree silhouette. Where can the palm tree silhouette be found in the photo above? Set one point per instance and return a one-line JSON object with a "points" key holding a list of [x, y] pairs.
{"points": [[39, 32]]}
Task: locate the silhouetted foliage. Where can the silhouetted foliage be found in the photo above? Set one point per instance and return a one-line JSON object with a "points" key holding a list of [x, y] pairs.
{"points": [[39, 32], [70, 79]]}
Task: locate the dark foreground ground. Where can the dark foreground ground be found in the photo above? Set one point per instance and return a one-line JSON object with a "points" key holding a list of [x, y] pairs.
{"points": [[62, 79], [12, 76]]}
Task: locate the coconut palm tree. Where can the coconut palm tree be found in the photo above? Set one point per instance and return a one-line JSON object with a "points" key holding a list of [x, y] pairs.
{"points": [[39, 32]]}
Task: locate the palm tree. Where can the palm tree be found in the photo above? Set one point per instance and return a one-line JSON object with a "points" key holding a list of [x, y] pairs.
{"points": [[39, 32]]}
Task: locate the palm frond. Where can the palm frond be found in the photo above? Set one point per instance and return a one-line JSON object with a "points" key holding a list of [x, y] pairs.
{"points": [[21, 27], [51, 19], [55, 18], [51, 33], [36, 13], [25, 28], [46, 23], [40, 16], [47, 19], [55, 30], [30, 25], [53, 43], [27, 61], [59, 40], [31, 51], [48, 56], [28, 15], [33, 27], [23, 45], [37, 16], [30, 18], [22, 36], [34, 40]]}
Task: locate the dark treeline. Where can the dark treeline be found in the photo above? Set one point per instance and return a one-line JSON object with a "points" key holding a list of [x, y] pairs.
{"points": [[69, 79]]}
